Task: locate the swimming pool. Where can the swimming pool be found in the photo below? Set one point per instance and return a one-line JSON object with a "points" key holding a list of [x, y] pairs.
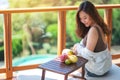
{"points": [[33, 59]]}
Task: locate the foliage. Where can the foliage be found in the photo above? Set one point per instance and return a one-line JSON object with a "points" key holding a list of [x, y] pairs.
{"points": [[1, 53], [23, 3], [70, 30], [48, 21], [116, 27], [53, 30], [1, 24], [18, 20], [114, 1], [16, 45]]}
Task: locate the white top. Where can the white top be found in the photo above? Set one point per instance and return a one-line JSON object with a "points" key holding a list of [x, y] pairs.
{"points": [[98, 62]]}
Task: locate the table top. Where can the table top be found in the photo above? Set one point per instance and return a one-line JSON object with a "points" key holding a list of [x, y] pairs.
{"points": [[60, 67]]}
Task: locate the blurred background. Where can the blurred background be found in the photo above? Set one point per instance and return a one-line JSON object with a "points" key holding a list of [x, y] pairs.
{"points": [[35, 34]]}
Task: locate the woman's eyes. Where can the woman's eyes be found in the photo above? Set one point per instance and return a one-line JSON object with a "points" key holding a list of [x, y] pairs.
{"points": [[83, 18]]}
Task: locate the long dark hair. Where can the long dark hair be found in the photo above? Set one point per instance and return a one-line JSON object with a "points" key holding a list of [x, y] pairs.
{"points": [[90, 9]]}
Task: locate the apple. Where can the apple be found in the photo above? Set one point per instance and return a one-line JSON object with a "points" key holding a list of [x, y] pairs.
{"points": [[63, 57], [68, 61], [73, 58]]}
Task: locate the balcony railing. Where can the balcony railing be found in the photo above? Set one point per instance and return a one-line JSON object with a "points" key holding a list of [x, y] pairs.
{"points": [[9, 69]]}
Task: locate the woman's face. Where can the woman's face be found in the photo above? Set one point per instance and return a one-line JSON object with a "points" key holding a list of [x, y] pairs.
{"points": [[85, 19]]}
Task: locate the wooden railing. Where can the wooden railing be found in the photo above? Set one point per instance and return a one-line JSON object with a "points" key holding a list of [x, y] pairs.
{"points": [[9, 69]]}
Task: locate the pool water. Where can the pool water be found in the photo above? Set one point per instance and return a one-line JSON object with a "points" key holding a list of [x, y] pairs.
{"points": [[33, 59]]}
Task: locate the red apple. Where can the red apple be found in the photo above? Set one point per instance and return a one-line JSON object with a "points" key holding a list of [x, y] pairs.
{"points": [[63, 57]]}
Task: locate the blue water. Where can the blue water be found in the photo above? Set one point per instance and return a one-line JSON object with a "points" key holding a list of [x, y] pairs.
{"points": [[33, 59]]}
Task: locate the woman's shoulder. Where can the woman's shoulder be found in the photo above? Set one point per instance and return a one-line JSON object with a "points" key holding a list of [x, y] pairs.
{"points": [[93, 31]]}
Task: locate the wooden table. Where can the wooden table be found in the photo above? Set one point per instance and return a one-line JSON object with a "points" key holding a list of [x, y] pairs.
{"points": [[59, 67]]}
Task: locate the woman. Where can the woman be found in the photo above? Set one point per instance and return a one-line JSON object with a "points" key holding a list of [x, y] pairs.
{"points": [[93, 46]]}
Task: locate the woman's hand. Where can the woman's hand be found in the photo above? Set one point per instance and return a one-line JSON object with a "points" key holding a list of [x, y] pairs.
{"points": [[74, 48]]}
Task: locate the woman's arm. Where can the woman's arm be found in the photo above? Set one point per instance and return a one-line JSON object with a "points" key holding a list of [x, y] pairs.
{"points": [[92, 39], [84, 51]]}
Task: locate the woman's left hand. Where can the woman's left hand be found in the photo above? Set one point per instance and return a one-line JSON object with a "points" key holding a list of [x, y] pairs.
{"points": [[74, 49]]}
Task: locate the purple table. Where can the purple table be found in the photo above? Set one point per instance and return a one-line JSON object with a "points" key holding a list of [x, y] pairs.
{"points": [[58, 67]]}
